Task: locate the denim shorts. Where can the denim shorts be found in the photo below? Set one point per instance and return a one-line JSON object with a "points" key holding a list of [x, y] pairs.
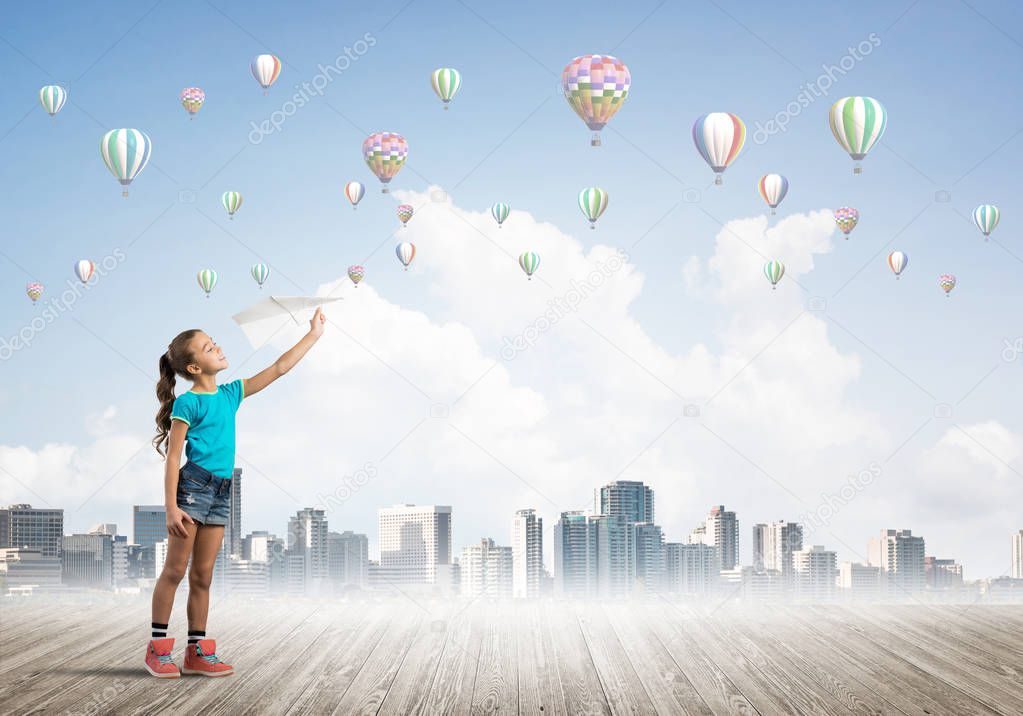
{"points": [[202, 495]]}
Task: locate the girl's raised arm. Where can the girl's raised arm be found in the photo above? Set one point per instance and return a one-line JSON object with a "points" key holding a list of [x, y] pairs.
{"points": [[288, 360]]}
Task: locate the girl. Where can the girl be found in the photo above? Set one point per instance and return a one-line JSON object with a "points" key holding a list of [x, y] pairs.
{"points": [[197, 494]]}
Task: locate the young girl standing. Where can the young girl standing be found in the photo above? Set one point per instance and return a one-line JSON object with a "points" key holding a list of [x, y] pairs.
{"points": [[197, 493]]}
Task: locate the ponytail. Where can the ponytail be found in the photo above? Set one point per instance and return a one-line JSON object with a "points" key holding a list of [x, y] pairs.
{"points": [[174, 362]]}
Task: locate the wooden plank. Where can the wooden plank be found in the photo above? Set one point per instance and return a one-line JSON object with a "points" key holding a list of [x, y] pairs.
{"points": [[579, 680], [539, 673], [453, 684], [411, 685], [1002, 640], [623, 688], [497, 677]]}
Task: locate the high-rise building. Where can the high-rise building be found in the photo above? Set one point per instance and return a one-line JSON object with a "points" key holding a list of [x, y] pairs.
{"points": [[263, 547], [149, 526], [159, 552], [527, 554], [22, 525], [245, 578], [307, 538], [413, 541], [616, 557], [773, 546], [721, 531], [28, 567], [943, 573], [1016, 568], [120, 555], [815, 570], [486, 570], [900, 555], [632, 500], [232, 544], [575, 556], [88, 561], [649, 557], [690, 569], [859, 582], [348, 559]]}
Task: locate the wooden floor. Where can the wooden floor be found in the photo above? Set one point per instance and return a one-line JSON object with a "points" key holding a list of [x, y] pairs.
{"points": [[85, 657]]}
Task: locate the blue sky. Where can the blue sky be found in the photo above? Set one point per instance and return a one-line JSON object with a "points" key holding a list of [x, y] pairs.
{"points": [[942, 70]]}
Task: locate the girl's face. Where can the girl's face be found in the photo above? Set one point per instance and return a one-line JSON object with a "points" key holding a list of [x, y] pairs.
{"points": [[207, 356]]}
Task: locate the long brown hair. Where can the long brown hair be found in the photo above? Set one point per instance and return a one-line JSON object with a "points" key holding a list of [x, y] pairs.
{"points": [[174, 362]]}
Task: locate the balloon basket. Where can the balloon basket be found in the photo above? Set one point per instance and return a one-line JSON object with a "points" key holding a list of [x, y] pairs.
{"points": [[125, 193], [383, 190], [773, 212], [595, 140], [774, 288], [231, 217], [593, 227], [717, 180], [266, 92], [857, 169], [445, 108], [499, 226]]}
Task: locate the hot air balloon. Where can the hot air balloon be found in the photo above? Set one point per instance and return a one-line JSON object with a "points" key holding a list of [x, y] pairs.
{"points": [[446, 82], [596, 87], [125, 152], [84, 269], [719, 137], [500, 212], [897, 262], [260, 273], [192, 99], [207, 279], [266, 69], [773, 188], [354, 191], [529, 261], [857, 123], [356, 273], [774, 270], [232, 201], [947, 282], [52, 97], [385, 154], [846, 217], [986, 218], [34, 290], [405, 212], [405, 252], [592, 202]]}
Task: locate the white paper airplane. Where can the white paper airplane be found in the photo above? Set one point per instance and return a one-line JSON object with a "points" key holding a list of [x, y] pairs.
{"points": [[262, 321]]}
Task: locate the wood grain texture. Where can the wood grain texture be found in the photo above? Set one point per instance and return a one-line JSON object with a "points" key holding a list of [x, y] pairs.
{"points": [[548, 658]]}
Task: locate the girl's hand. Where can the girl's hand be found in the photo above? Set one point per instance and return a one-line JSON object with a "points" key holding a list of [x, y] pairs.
{"points": [[316, 325], [176, 519]]}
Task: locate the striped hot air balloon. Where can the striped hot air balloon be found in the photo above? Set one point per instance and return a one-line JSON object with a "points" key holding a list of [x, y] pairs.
{"points": [[529, 262], [207, 279], [592, 202], [232, 201], [846, 218], [266, 69], [354, 191], [84, 270], [192, 99], [773, 188], [356, 274], [596, 86], [947, 282], [774, 270], [857, 123], [405, 251], [125, 152], [404, 212], [34, 290], [719, 137], [897, 262], [500, 212], [260, 273], [385, 154], [446, 82], [52, 97], [986, 218]]}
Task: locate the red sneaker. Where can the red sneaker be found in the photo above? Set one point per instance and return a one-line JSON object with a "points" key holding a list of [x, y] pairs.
{"points": [[202, 659], [159, 662]]}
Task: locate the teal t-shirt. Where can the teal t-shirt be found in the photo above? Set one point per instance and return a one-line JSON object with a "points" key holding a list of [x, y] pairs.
{"points": [[210, 420]]}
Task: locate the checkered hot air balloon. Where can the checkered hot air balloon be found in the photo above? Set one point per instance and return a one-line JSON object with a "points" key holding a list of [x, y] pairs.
{"points": [[596, 87], [266, 69], [774, 270], [719, 137], [592, 203], [207, 279], [405, 212], [500, 212], [986, 218], [354, 191], [84, 270], [232, 201], [773, 188], [125, 152], [897, 262], [52, 97], [529, 262], [405, 251], [947, 282], [356, 274], [385, 154], [260, 273], [34, 290], [192, 99], [857, 123], [846, 218], [446, 81]]}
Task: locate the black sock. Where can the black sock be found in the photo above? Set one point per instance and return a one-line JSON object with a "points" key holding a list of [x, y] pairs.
{"points": [[159, 631], [194, 635]]}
